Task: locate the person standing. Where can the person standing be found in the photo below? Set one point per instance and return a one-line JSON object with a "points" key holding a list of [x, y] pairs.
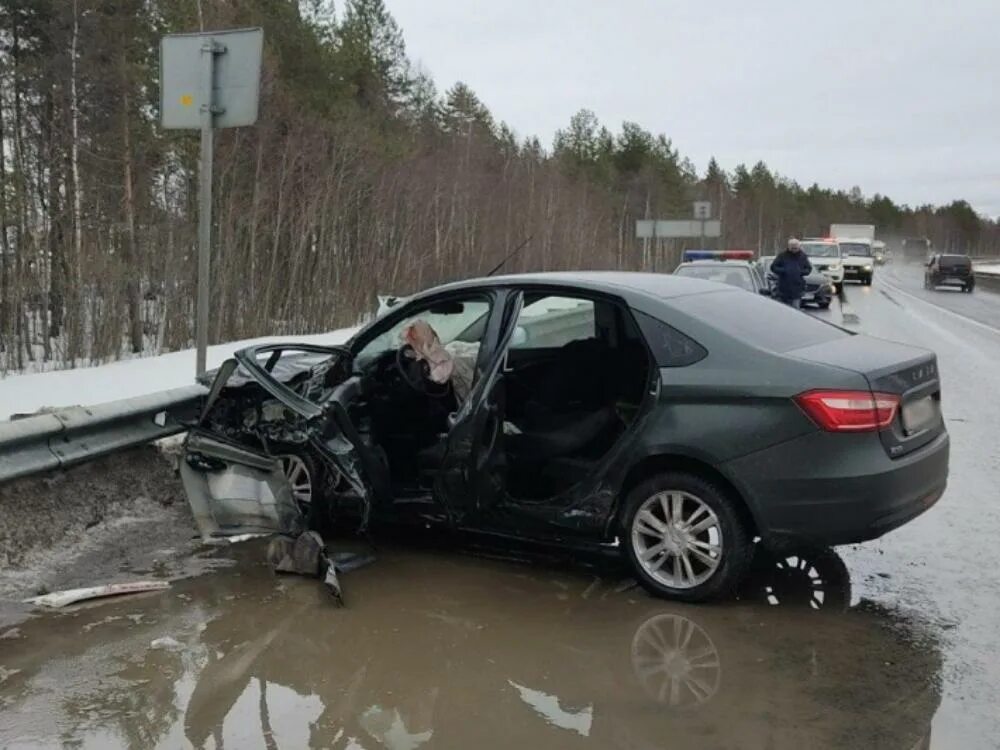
{"points": [[791, 268]]}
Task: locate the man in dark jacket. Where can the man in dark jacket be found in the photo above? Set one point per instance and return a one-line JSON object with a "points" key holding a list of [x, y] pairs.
{"points": [[791, 268]]}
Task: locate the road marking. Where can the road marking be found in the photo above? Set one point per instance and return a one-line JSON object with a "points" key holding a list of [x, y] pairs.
{"points": [[952, 313]]}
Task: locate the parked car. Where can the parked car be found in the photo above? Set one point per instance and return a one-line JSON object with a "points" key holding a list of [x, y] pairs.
{"points": [[824, 254], [819, 289], [735, 268], [671, 419], [949, 269]]}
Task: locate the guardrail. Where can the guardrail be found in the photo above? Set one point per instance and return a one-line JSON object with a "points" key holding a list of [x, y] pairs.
{"points": [[986, 279], [64, 437]]}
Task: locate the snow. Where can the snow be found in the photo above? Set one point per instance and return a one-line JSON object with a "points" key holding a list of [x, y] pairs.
{"points": [[990, 268], [25, 394]]}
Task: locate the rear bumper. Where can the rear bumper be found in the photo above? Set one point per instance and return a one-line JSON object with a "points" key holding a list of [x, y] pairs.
{"points": [[952, 280], [839, 489]]}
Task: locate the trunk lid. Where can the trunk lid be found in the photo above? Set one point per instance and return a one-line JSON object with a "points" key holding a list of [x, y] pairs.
{"points": [[905, 371]]}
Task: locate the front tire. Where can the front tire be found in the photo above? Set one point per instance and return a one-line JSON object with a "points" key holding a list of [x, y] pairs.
{"points": [[685, 538], [309, 481]]}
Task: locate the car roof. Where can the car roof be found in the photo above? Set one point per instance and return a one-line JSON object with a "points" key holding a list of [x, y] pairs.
{"points": [[651, 285]]}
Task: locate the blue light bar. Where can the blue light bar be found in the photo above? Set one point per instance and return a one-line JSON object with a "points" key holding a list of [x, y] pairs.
{"points": [[690, 255]]}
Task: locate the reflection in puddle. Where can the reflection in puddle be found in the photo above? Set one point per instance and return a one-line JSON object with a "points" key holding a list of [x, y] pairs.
{"points": [[816, 580], [389, 728], [548, 707], [436, 651], [675, 661]]}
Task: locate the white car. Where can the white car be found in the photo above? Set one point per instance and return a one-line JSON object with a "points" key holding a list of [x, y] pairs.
{"points": [[857, 259], [825, 258]]}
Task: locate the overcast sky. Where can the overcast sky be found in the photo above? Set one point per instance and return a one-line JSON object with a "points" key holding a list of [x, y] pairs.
{"points": [[901, 98]]}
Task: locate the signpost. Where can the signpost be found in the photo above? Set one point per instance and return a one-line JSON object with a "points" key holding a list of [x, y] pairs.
{"points": [[661, 229], [209, 80], [700, 226]]}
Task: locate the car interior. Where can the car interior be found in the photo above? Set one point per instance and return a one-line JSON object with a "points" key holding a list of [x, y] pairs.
{"points": [[573, 379]]}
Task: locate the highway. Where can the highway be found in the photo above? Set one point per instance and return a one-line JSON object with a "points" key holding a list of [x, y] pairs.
{"points": [[945, 566]]}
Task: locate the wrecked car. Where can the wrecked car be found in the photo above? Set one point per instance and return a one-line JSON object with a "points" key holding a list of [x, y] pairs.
{"points": [[672, 419]]}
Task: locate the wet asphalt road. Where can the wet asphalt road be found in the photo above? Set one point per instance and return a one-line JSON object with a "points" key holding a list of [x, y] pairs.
{"points": [[435, 648]]}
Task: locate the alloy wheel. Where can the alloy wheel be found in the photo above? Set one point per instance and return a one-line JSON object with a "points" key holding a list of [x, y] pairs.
{"points": [[300, 478], [677, 539]]}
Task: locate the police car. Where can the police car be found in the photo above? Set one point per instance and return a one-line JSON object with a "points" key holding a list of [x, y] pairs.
{"points": [[734, 267]]}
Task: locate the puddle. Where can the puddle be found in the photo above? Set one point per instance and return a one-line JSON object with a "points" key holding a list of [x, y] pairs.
{"points": [[442, 650]]}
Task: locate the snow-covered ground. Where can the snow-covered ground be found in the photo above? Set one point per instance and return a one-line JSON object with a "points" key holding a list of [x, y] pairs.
{"points": [[991, 268], [85, 386]]}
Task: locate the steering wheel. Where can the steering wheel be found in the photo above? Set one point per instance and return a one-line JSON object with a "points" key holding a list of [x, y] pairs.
{"points": [[416, 374]]}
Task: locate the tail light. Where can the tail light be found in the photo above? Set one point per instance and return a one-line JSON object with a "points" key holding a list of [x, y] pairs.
{"points": [[849, 411]]}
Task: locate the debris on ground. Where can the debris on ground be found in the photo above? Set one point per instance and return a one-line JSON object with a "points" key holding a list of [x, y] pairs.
{"points": [[73, 596], [300, 556], [242, 538], [306, 555], [348, 561], [166, 644], [332, 583]]}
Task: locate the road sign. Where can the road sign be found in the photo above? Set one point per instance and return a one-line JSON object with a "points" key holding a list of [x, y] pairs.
{"points": [[702, 210], [677, 228], [235, 78], [208, 80]]}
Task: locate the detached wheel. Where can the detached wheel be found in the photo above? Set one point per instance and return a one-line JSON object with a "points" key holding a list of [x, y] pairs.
{"points": [[684, 537]]}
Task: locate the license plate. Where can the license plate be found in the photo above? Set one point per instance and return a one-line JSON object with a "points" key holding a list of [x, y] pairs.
{"points": [[919, 415]]}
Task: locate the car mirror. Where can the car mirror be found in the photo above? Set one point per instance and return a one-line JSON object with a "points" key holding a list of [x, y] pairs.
{"points": [[520, 336]]}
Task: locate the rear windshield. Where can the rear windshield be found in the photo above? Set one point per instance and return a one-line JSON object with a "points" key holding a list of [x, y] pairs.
{"points": [[856, 248], [759, 321], [738, 276], [955, 261]]}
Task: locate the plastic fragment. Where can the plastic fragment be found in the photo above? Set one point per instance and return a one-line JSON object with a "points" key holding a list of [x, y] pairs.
{"points": [[166, 643], [72, 596]]}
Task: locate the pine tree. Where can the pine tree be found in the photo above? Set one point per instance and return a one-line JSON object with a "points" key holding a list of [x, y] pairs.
{"points": [[373, 55]]}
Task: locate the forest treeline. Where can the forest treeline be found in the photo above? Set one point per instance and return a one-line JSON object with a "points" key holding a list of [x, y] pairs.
{"points": [[360, 177]]}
